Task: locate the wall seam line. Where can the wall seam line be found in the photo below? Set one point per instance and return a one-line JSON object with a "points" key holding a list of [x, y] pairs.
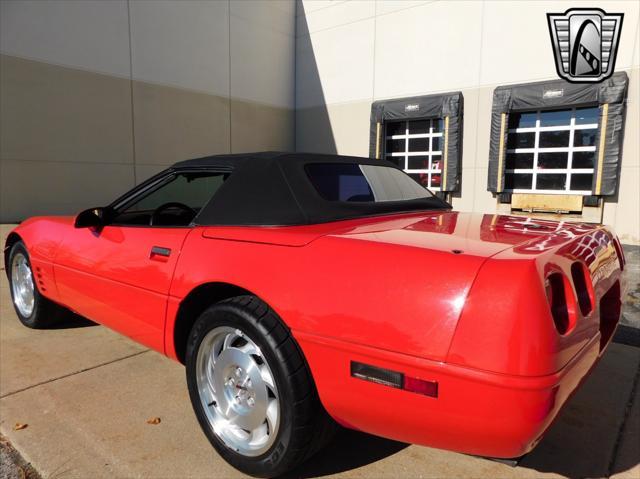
{"points": [[375, 34], [336, 3], [365, 18], [229, 89], [635, 46], [478, 93], [133, 119], [295, 76]]}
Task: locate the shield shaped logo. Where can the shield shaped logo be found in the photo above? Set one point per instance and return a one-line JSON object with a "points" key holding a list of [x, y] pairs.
{"points": [[585, 43]]}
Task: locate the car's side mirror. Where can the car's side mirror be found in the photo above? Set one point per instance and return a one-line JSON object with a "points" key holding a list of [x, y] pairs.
{"points": [[91, 218]]}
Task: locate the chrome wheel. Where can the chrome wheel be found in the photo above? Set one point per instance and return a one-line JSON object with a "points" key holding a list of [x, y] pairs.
{"points": [[238, 391], [22, 285]]}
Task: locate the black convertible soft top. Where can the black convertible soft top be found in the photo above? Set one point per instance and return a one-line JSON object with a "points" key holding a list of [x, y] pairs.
{"points": [[273, 189]]}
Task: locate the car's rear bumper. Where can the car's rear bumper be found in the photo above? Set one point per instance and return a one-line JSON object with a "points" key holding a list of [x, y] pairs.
{"points": [[476, 412]]}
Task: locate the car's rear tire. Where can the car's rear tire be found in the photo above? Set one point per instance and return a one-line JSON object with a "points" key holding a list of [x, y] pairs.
{"points": [[251, 389], [33, 310]]}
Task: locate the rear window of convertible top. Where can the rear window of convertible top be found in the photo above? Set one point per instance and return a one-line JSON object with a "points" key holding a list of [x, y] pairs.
{"points": [[352, 182]]}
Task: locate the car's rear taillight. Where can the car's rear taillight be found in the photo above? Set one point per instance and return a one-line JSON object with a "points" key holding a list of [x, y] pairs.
{"points": [[561, 302], [394, 379], [584, 287], [420, 386]]}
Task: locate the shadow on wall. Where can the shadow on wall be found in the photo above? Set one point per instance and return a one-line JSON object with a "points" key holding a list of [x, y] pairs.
{"points": [[313, 125]]}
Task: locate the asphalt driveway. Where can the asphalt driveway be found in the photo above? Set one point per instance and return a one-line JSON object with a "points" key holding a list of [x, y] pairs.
{"points": [[87, 397]]}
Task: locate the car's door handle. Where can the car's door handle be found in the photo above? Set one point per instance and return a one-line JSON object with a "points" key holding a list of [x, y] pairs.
{"points": [[160, 251]]}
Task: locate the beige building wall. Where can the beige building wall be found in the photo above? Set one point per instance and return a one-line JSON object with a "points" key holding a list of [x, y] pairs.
{"points": [[354, 52], [96, 96]]}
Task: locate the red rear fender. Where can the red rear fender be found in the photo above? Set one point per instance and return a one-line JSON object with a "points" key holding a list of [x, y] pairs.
{"points": [[387, 296], [507, 325]]}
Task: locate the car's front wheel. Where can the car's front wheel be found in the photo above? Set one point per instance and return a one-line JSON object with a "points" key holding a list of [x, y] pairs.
{"points": [[34, 310], [252, 390]]}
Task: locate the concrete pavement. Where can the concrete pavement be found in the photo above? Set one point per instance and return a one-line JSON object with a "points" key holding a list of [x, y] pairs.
{"points": [[86, 394]]}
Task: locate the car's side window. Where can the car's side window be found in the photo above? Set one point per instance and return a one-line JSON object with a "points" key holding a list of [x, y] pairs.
{"points": [[174, 202]]}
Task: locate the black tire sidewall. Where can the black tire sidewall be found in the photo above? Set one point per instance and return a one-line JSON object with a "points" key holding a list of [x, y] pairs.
{"points": [[273, 462], [32, 320]]}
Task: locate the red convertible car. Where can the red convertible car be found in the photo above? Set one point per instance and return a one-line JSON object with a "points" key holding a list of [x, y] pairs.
{"points": [[303, 289]]}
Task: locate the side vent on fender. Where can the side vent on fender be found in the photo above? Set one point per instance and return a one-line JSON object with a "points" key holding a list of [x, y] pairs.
{"points": [[584, 287], [40, 280]]}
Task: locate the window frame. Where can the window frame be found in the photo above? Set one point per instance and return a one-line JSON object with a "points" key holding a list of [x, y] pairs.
{"points": [[570, 149], [151, 185], [406, 153], [311, 178]]}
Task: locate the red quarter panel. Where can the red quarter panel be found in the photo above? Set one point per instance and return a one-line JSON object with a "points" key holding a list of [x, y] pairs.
{"points": [[361, 288]]}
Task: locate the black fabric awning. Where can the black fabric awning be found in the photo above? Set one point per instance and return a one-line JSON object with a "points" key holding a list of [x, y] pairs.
{"points": [[447, 106], [609, 95]]}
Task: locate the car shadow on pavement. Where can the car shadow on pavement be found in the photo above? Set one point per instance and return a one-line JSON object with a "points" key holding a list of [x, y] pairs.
{"points": [[590, 437], [348, 450], [72, 321]]}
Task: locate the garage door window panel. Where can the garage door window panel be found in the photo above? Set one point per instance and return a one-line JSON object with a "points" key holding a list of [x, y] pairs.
{"points": [[552, 161], [519, 180], [554, 139], [423, 136], [519, 161], [418, 163], [585, 137], [545, 149], [584, 159], [584, 121], [414, 145], [580, 181]]}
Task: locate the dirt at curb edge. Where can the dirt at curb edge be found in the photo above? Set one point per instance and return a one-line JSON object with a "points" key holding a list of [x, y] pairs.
{"points": [[12, 465]]}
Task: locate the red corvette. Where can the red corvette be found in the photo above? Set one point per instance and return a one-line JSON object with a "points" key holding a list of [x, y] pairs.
{"points": [[300, 289]]}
